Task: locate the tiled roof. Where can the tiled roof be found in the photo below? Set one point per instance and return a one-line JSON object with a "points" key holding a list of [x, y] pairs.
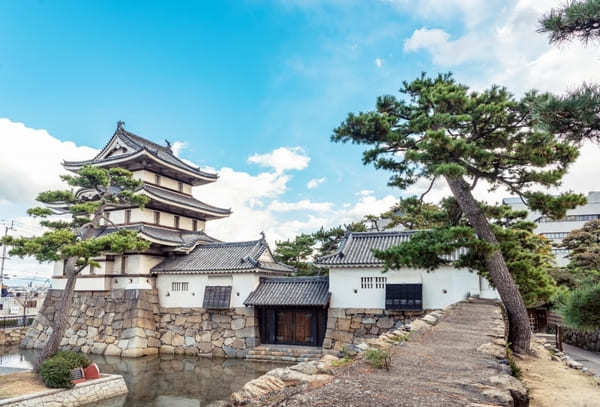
{"points": [[181, 238], [216, 297], [290, 291], [357, 248], [219, 257], [138, 144], [176, 197]]}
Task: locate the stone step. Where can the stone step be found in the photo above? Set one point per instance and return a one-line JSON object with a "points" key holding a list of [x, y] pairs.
{"points": [[283, 359]]}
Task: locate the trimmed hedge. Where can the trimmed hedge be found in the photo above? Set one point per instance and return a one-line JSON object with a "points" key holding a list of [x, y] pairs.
{"points": [[56, 370], [56, 373]]}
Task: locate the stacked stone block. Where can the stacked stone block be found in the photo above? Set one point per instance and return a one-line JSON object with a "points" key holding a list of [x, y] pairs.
{"points": [[353, 325], [202, 332], [589, 340], [12, 336], [116, 323]]}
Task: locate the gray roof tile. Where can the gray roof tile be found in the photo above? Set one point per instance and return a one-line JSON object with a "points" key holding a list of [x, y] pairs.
{"points": [[290, 291], [177, 197], [218, 257], [139, 143], [181, 238], [357, 248]]}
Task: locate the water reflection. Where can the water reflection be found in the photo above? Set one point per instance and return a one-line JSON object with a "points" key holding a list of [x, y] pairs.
{"points": [[167, 380]]}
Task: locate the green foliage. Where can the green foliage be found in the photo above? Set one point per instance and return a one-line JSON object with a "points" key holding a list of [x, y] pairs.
{"points": [[104, 189], [378, 358], [299, 252], [56, 373], [556, 206], [75, 359], [412, 213], [575, 20], [584, 252], [440, 127], [515, 370], [582, 308]]}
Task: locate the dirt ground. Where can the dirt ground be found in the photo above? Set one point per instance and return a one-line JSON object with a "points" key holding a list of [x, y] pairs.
{"points": [[436, 368], [19, 384], [553, 384]]}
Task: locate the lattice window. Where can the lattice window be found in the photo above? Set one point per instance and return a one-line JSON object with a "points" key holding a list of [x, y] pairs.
{"points": [[380, 282], [179, 286], [366, 282]]}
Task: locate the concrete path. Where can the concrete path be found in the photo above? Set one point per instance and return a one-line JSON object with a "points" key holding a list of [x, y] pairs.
{"points": [[436, 367], [588, 359]]}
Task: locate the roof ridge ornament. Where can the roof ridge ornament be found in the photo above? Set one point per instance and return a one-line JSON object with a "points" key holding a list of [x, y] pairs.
{"points": [[120, 125]]}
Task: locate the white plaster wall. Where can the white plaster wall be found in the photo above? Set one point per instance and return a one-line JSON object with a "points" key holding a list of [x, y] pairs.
{"points": [[100, 283], [242, 283], [139, 263], [166, 182], [131, 283], [458, 283]]}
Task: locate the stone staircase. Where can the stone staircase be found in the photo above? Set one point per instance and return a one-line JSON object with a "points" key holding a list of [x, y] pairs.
{"points": [[284, 353]]}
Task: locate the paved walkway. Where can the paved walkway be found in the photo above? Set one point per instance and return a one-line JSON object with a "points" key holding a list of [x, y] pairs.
{"points": [[438, 367], [591, 360]]}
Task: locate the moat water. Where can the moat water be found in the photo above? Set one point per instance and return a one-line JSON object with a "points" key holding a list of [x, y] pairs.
{"points": [[161, 381]]}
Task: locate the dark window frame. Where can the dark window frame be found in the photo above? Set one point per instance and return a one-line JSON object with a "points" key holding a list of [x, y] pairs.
{"points": [[404, 297]]}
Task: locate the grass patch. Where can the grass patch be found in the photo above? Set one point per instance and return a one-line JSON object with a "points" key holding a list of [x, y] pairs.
{"points": [[378, 358], [514, 369]]}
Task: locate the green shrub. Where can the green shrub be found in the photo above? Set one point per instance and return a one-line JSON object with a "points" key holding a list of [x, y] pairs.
{"points": [[75, 359], [56, 373], [515, 370], [379, 359], [582, 308]]}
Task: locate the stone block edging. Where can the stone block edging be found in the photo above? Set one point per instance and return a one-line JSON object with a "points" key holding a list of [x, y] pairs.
{"points": [[12, 336], [107, 387]]}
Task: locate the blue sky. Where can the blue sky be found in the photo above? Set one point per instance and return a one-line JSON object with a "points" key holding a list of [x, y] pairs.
{"points": [[233, 79]]}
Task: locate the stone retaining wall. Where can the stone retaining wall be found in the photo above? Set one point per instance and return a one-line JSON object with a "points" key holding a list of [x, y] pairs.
{"points": [[353, 325], [12, 336], [585, 340], [84, 393], [130, 323], [197, 331], [115, 323]]}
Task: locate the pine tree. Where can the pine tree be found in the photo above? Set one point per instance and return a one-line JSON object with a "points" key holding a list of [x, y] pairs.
{"points": [[78, 240], [575, 20], [441, 129]]}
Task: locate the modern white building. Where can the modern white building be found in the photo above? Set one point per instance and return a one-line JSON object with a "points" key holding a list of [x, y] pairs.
{"points": [[557, 230]]}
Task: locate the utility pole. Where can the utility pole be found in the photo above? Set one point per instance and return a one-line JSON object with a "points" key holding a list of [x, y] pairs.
{"points": [[6, 229]]}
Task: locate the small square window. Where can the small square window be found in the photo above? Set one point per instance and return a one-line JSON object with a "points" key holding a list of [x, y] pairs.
{"points": [[180, 286], [127, 216], [366, 282], [176, 222], [195, 225], [156, 217], [180, 185], [157, 179]]}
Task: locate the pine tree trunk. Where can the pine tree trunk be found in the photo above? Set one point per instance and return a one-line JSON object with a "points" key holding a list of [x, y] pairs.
{"points": [[61, 314], [520, 331]]}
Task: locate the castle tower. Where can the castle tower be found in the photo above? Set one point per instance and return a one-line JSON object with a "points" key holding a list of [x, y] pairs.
{"points": [[173, 220]]}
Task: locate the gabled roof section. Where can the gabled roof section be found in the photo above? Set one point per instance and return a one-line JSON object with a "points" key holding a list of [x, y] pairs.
{"points": [[356, 250], [176, 239], [178, 199], [125, 146], [290, 291], [235, 257]]}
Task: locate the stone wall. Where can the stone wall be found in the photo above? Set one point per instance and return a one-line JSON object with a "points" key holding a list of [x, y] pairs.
{"points": [[116, 323], [353, 325], [107, 387], [585, 340], [197, 331], [12, 336], [130, 323]]}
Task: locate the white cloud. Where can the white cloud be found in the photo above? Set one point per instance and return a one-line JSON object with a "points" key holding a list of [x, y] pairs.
{"points": [[315, 182], [365, 192], [31, 161], [305, 204], [177, 147], [282, 159], [515, 55], [378, 62]]}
